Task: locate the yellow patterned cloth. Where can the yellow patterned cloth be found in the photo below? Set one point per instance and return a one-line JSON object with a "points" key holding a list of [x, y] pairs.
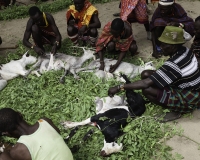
{"points": [[84, 16]]}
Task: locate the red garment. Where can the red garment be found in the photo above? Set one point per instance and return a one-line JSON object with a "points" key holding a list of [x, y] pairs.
{"points": [[106, 37], [134, 11]]}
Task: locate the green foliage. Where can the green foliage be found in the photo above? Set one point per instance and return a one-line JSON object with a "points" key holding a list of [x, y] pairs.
{"points": [[16, 12], [143, 138]]}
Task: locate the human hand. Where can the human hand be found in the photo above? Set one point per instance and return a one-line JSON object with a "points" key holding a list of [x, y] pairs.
{"points": [[82, 30], [113, 68], [176, 24], [54, 49], [112, 91], [38, 50]]}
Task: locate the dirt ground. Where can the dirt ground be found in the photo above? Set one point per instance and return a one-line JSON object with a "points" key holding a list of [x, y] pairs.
{"points": [[12, 31]]}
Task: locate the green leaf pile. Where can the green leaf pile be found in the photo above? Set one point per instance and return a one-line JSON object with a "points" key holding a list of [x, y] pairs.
{"points": [[143, 138]]}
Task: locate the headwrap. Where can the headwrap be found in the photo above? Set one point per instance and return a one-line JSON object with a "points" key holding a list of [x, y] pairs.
{"points": [[166, 2]]}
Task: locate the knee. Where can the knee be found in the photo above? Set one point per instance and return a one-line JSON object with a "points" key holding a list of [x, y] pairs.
{"points": [[146, 73], [93, 32], [35, 29], [145, 92], [158, 30], [111, 46], [71, 30], [133, 48]]}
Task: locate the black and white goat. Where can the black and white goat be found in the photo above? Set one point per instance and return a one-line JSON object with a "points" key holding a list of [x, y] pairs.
{"points": [[111, 116]]}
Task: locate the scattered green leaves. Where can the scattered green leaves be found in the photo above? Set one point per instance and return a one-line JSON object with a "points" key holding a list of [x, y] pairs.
{"points": [[143, 138]]}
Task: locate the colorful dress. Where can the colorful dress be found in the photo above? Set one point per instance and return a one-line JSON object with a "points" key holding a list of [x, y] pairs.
{"points": [[106, 37], [84, 16], [134, 11], [178, 15]]}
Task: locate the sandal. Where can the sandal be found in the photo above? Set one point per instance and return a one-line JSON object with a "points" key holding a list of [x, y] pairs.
{"points": [[169, 116], [116, 14]]}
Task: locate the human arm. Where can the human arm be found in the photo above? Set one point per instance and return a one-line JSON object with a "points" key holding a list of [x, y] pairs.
{"points": [[183, 18], [18, 152], [5, 156], [27, 36], [120, 58], [141, 84], [52, 124], [57, 43], [101, 57], [71, 21], [95, 23]]}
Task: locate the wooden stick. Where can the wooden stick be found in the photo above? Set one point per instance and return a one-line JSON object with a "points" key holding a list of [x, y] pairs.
{"points": [[9, 47]]}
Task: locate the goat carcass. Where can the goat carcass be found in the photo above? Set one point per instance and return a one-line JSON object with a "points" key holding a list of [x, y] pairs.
{"points": [[126, 68], [63, 61], [114, 113], [15, 68]]}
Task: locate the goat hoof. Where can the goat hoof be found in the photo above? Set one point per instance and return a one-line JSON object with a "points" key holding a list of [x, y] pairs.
{"points": [[103, 153], [62, 80], [67, 124], [77, 77], [25, 77]]}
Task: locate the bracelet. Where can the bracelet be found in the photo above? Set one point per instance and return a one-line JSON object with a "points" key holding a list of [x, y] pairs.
{"points": [[57, 43], [181, 25], [121, 87]]}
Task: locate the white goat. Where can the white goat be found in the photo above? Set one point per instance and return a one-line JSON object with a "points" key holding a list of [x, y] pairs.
{"points": [[67, 62], [126, 68], [3, 83], [15, 68]]}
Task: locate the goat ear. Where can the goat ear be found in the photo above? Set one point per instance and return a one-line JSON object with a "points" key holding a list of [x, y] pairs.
{"points": [[25, 54], [94, 57]]}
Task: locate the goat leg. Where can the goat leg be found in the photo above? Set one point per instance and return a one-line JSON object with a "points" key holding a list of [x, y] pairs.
{"points": [[69, 124], [36, 65], [72, 70], [76, 147], [62, 79], [36, 73], [71, 134], [88, 134]]}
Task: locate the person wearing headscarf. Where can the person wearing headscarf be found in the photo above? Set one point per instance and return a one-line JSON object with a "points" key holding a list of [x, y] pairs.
{"points": [[168, 13]]}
